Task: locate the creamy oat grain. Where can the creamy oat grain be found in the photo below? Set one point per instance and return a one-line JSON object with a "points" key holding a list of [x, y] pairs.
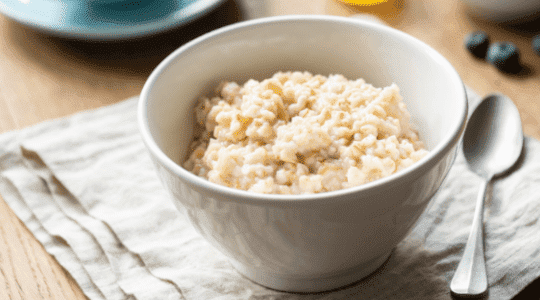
{"points": [[297, 133]]}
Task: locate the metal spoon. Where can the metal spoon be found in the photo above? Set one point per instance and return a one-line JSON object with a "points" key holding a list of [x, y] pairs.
{"points": [[492, 144]]}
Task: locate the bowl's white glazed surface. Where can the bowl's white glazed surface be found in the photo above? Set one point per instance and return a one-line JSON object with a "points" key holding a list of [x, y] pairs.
{"points": [[314, 242]]}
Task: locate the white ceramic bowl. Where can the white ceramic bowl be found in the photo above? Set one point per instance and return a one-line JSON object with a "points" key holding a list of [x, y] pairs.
{"points": [[304, 243], [504, 10]]}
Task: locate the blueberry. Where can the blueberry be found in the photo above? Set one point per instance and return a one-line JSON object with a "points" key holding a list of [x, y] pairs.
{"points": [[536, 44], [504, 56], [477, 43]]}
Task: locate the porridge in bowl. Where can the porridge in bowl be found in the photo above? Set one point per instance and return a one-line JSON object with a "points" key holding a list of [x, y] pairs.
{"points": [[298, 133]]}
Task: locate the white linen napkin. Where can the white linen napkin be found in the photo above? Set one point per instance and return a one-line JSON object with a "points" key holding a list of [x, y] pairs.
{"points": [[86, 188]]}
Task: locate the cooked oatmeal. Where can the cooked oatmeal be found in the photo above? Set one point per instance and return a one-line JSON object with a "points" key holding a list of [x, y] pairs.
{"points": [[298, 133]]}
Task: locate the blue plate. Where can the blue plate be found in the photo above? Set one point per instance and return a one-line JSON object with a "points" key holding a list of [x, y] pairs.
{"points": [[105, 21]]}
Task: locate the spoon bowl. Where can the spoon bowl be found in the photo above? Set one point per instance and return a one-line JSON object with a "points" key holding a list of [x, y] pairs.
{"points": [[493, 137], [492, 144]]}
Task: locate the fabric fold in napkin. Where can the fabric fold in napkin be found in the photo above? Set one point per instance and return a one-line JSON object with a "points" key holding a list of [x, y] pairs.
{"points": [[86, 188]]}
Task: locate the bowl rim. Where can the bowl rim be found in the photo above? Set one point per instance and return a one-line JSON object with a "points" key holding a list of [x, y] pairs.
{"points": [[242, 196]]}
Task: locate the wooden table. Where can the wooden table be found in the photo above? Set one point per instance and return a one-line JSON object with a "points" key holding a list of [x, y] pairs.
{"points": [[44, 77]]}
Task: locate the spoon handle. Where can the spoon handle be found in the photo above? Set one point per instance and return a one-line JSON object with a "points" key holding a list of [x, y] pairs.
{"points": [[470, 278]]}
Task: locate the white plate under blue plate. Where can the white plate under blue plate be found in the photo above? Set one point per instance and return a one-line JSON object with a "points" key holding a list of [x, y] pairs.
{"points": [[105, 21]]}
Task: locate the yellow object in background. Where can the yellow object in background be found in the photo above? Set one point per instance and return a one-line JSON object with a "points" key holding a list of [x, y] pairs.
{"points": [[364, 2], [390, 11]]}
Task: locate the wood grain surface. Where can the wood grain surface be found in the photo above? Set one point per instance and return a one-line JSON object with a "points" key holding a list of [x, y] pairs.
{"points": [[43, 77]]}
